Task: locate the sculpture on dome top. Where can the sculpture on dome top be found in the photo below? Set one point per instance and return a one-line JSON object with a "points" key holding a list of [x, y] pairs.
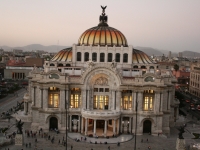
{"points": [[103, 18], [103, 8]]}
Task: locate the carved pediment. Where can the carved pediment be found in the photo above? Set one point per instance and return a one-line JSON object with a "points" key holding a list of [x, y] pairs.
{"points": [[101, 81]]}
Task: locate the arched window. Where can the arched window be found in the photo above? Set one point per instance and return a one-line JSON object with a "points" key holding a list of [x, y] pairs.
{"points": [[86, 58], [117, 57], [60, 65], [68, 65], [102, 57], [151, 67], [148, 100], [52, 65], [126, 101], [54, 97], [94, 57], [110, 57], [135, 66], [101, 98], [125, 58], [75, 98], [78, 57], [143, 67]]}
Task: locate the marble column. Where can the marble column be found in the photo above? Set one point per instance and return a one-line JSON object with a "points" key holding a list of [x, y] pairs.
{"points": [[82, 120], [118, 126], [118, 100], [86, 125], [45, 98], [114, 127], [121, 124], [79, 123], [62, 99], [25, 108], [70, 123], [161, 101], [129, 125], [105, 128], [88, 99], [94, 127], [41, 98], [140, 101]]}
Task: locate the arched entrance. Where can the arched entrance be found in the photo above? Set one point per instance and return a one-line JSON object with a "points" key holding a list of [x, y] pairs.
{"points": [[53, 123], [147, 126], [100, 124]]}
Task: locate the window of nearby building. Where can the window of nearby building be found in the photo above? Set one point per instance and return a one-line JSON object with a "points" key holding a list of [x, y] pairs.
{"points": [[86, 57], [78, 57], [75, 98], [94, 57], [102, 57], [125, 58], [148, 99], [126, 101], [117, 57], [110, 57], [54, 96]]}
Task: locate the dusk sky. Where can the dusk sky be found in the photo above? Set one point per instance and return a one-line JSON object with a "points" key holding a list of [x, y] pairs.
{"points": [[161, 24]]}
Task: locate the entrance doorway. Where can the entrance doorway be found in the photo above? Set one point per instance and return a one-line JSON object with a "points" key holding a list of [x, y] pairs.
{"points": [[147, 126], [100, 124], [53, 123]]}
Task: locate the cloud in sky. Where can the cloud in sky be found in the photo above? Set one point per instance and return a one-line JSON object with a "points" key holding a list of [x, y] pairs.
{"points": [[171, 25]]}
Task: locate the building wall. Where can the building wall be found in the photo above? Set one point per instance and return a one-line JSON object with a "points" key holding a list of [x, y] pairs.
{"points": [[195, 79]]}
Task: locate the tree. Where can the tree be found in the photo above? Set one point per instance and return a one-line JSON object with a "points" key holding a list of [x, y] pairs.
{"points": [[176, 67]]}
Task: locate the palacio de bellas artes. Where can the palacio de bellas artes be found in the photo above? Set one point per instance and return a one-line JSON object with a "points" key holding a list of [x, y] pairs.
{"points": [[101, 86]]}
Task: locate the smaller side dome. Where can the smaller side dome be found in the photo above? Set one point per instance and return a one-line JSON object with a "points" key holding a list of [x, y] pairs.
{"points": [[141, 57], [63, 55]]}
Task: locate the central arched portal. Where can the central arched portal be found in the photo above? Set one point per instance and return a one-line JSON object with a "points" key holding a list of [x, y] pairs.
{"points": [[53, 123], [147, 126], [100, 124]]}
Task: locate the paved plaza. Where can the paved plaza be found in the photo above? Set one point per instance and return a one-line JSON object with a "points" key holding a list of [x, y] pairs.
{"points": [[160, 142]]}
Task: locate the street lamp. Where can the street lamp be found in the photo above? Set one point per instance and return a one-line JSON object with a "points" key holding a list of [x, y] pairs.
{"points": [[136, 108], [66, 107]]}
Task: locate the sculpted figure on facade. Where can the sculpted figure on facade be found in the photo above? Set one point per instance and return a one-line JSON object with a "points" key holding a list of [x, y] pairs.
{"points": [[101, 81], [90, 64]]}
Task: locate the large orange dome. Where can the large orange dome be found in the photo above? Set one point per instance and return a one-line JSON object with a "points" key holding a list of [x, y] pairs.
{"points": [[103, 35]]}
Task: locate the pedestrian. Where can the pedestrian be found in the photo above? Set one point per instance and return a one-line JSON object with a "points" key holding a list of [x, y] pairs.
{"points": [[71, 147], [141, 140], [36, 140], [158, 134], [29, 144], [108, 147], [26, 145], [147, 140], [149, 147], [59, 141]]}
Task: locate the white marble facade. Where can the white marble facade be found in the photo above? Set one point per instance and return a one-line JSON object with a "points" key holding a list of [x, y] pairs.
{"points": [[104, 87]]}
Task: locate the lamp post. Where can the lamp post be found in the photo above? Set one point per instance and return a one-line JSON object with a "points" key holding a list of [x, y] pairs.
{"points": [[66, 107], [136, 108]]}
